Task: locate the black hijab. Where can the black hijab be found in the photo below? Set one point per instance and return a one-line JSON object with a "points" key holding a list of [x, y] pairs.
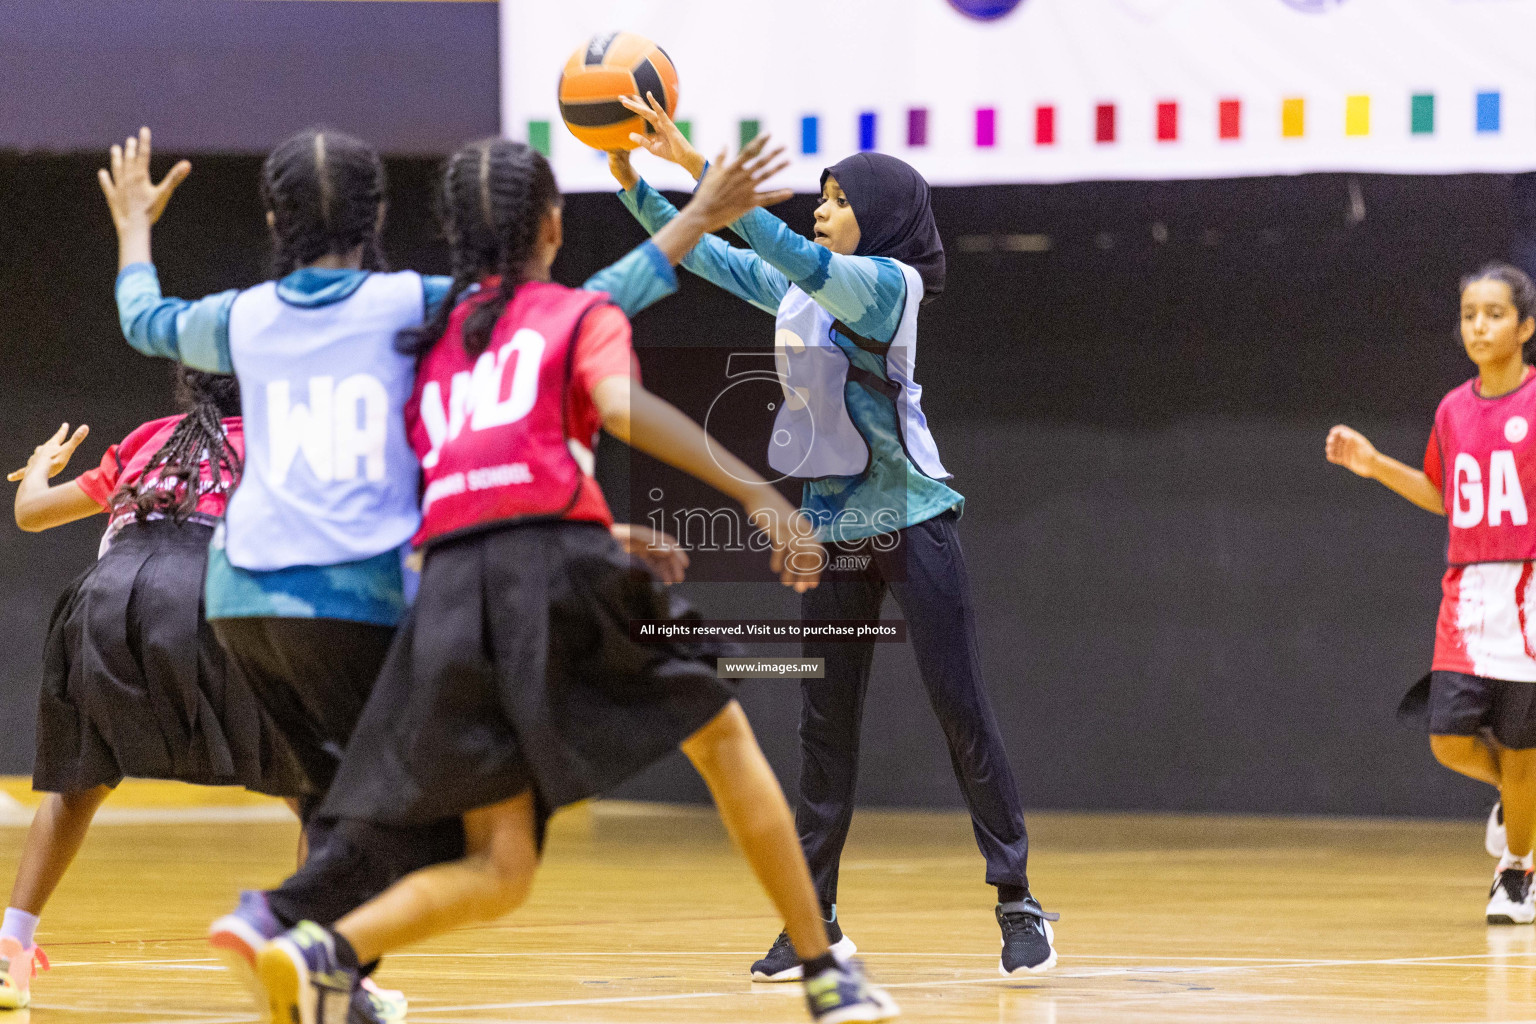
{"points": [[895, 214]]}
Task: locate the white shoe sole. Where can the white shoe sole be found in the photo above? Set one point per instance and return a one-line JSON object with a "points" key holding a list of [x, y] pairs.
{"points": [[1522, 915], [843, 948], [883, 1008], [236, 944], [1040, 968]]}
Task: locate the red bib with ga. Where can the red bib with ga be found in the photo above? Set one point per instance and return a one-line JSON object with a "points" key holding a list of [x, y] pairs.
{"points": [[491, 431], [1484, 451]]}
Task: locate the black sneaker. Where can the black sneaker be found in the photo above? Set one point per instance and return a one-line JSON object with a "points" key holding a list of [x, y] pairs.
{"points": [[842, 994], [1027, 937], [782, 962], [1511, 900]]}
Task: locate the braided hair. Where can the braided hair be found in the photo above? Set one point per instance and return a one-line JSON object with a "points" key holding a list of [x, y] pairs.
{"points": [[493, 198], [171, 483], [323, 189]]}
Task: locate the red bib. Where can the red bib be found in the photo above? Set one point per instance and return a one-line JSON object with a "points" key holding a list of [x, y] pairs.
{"points": [[490, 432], [1483, 455]]}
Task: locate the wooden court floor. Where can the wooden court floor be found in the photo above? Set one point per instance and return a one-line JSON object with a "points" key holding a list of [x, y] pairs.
{"points": [[644, 914]]}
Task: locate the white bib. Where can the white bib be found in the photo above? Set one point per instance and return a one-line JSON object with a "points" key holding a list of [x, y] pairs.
{"points": [[813, 435], [329, 475]]}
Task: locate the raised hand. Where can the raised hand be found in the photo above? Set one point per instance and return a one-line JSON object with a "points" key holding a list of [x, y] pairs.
{"points": [[1348, 448], [731, 188], [54, 452], [132, 195], [664, 139]]}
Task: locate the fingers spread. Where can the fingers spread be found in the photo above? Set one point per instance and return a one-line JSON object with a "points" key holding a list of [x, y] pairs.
{"points": [[176, 175]]}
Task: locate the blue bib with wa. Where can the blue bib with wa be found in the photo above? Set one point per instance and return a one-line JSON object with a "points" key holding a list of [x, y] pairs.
{"points": [[813, 435], [329, 475]]}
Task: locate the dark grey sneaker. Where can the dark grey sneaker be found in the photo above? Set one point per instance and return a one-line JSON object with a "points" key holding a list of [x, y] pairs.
{"points": [[1027, 937], [782, 962]]}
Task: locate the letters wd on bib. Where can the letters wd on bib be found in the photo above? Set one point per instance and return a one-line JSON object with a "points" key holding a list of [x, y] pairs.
{"points": [[974, 92]]}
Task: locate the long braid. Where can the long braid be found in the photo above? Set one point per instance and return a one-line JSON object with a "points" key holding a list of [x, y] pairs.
{"points": [[494, 197], [171, 483], [324, 190]]}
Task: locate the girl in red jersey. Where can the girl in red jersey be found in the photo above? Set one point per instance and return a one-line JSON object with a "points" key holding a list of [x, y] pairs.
{"points": [[134, 683], [1481, 456], [514, 686]]}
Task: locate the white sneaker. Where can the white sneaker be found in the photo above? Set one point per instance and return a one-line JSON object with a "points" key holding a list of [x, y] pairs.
{"points": [[1494, 839], [1511, 900]]}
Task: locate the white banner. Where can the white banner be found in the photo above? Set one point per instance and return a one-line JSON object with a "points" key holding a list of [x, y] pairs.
{"points": [[1063, 90]]}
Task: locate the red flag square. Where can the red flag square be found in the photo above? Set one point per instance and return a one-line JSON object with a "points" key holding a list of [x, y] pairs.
{"points": [[1045, 126], [1167, 122], [1230, 116], [1104, 122]]}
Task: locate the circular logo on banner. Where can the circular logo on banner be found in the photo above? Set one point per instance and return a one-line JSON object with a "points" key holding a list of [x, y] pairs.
{"points": [[1516, 429], [984, 10], [1315, 6]]}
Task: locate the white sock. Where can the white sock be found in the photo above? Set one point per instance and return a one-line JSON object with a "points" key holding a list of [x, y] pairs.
{"points": [[1506, 862], [19, 925]]}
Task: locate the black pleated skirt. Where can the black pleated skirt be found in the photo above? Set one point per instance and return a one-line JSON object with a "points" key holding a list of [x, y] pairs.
{"points": [[514, 671], [136, 685]]}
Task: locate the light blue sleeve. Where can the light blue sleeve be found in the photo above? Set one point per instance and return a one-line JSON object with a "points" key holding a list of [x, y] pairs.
{"points": [[434, 290], [868, 293], [739, 271], [195, 334], [642, 277]]}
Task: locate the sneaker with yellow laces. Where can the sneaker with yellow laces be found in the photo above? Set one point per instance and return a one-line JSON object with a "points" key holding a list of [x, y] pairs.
{"points": [[18, 966]]}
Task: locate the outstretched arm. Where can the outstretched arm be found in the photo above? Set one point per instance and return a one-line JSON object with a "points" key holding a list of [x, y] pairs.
{"points": [[866, 293], [739, 271], [727, 191], [656, 427], [194, 333], [40, 506], [1349, 448]]}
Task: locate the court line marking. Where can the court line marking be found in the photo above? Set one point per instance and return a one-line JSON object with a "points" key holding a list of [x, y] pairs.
{"points": [[11, 818], [1239, 962]]}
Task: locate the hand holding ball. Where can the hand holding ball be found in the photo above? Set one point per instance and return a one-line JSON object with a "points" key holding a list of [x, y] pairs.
{"points": [[611, 66]]}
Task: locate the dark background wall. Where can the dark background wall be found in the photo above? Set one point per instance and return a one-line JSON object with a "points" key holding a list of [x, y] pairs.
{"points": [[1182, 605], [233, 75]]}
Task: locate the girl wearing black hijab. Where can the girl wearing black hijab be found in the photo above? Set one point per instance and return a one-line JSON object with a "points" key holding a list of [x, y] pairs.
{"points": [[852, 427]]}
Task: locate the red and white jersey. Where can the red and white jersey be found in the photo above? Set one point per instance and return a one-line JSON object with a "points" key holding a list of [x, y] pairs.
{"points": [[509, 435], [1486, 625], [1482, 453]]}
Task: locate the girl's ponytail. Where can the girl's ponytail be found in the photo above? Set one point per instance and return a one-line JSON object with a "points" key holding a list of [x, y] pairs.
{"points": [[493, 199]]}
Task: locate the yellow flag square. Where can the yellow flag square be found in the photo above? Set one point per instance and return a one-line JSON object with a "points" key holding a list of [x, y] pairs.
{"points": [[1357, 115]]}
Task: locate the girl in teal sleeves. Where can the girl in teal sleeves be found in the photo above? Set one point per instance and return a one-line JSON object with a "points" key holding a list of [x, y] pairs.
{"points": [[853, 428]]}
